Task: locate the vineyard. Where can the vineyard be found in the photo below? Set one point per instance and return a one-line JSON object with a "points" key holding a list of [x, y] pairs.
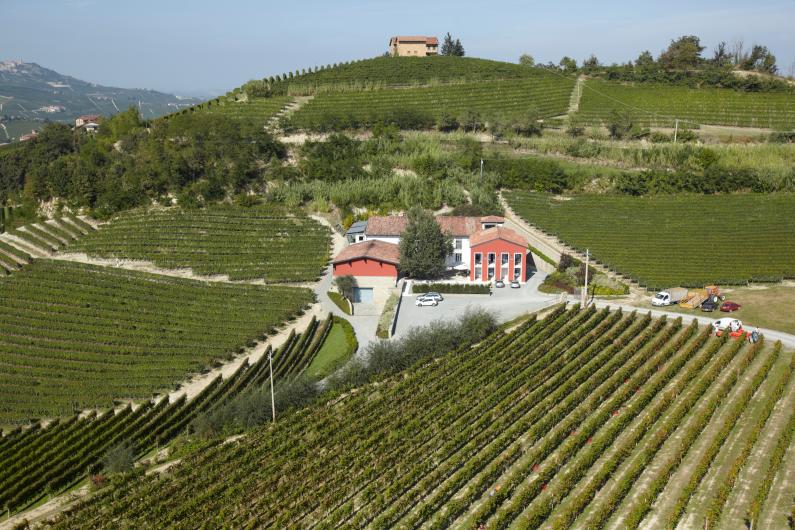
{"points": [[585, 419], [43, 460], [18, 246], [245, 244], [659, 105], [257, 109], [75, 336], [543, 94], [664, 241]]}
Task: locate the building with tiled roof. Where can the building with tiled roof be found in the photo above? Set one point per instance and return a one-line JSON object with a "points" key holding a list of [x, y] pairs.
{"points": [[413, 46], [374, 266]]}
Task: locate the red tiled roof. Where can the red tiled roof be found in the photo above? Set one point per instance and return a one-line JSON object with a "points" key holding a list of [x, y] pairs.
{"points": [[89, 117], [394, 225], [430, 41], [497, 232], [492, 219], [372, 249]]}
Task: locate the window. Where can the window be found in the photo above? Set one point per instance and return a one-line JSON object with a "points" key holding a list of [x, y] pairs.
{"points": [[459, 244], [457, 257], [517, 259], [492, 258], [478, 258], [504, 258], [491, 272]]}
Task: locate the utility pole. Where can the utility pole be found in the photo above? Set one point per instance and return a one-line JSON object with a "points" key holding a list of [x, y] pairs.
{"points": [[585, 288], [273, 399], [676, 129]]}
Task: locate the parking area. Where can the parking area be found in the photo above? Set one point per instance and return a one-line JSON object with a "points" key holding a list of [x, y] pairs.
{"points": [[504, 303]]}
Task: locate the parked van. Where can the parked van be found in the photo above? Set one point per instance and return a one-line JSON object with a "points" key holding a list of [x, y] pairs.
{"points": [[669, 297]]}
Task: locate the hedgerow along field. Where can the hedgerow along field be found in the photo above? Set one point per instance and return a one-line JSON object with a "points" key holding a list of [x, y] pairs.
{"points": [[75, 336], [49, 459], [659, 105], [674, 240], [244, 243], [584, 419], [543, 94]]}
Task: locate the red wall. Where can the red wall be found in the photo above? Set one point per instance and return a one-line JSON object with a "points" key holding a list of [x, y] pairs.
{"points": [[365, 267], [498, 246]]}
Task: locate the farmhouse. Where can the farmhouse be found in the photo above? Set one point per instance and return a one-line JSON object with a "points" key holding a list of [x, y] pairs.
{"points": [[85, 119], [413, 46], [374, 264], [482, 247]]}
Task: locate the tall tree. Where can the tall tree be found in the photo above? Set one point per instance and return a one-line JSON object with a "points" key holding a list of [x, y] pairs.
{"points": [[568, 65], [458, 49], [684, 52], [447, 45], [721, 56], [527, 60], [590, 63], [423, 246]]}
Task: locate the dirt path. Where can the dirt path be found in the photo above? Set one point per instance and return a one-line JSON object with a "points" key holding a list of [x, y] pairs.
{"points": [[47, 510], [576, 95]]}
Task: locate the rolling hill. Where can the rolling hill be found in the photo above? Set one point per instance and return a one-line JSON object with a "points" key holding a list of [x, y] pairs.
{"points": [[31, 94]]}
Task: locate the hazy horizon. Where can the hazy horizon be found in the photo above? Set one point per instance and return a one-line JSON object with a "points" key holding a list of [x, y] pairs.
{"points": [[203, 48]]}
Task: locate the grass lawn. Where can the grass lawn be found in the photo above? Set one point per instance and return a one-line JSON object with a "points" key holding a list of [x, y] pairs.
{"points": [[766, 306], [335, 351]]}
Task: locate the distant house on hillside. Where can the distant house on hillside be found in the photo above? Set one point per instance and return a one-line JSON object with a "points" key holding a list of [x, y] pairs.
{"points": [[25, 137], [413, 46], [87, 118]]}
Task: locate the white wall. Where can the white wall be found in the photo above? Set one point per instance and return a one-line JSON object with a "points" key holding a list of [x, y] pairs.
{"points": [[450, 262]]}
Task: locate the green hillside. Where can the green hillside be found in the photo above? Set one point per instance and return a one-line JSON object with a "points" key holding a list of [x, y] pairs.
{"points": [[543, 95], [667, 240], [654, 105], [76, 336], [580, 419]]}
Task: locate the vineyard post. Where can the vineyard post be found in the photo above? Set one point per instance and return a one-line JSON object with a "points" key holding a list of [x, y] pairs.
{"points": [[584, 294], [676, 129], [273, 399], [481, 169]]}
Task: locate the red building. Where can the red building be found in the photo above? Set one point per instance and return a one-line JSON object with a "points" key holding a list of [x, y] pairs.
{"points": [[374, 265], [498, 253]]}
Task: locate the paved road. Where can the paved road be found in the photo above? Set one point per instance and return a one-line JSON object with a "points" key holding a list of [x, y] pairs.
{"points": [[505, 304]]}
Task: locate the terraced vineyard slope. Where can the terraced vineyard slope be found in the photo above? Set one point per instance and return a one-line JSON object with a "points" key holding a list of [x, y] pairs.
{"points": [[49, 459], [658, 105], [723, 239], [581, 419], [543, 94], [260, 110], [19, 246], [244, 244], [75, 336]]}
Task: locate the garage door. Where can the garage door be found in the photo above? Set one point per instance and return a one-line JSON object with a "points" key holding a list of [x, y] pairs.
{"points": [[363, 295]]}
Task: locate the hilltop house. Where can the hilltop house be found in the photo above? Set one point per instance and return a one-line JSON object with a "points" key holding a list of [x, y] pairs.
{"points": [[415, 46], [482, 247], [80, 121]]}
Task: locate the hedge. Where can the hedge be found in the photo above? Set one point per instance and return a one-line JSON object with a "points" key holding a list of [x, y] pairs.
{"points": [[451, 288], [341, 302]]}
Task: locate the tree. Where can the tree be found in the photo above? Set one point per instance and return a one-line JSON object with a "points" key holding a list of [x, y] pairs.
{"points": [[721, 55], [447, 45], [619, 124], [346, 286], [760, 59], [423, 246], [591, 63], [458, 49], [568, 65], [527, 60], [682, 53]]}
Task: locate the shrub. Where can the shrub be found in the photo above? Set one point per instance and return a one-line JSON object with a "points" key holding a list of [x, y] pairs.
{"points": [[383, 330], [119, 459], [341, 302], [450, 288]]}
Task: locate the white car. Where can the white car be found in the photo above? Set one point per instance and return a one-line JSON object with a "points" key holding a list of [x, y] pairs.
{"points": [[423, 301], [732, 324], [434, 296]]}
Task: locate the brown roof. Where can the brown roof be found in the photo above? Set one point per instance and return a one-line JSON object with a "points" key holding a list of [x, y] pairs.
{"points": [[372, 249], [497, 232], [430, 41], [394, 225], [89, 117], [492, 219]]}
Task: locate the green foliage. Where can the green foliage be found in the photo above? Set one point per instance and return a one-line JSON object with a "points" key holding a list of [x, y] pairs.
{"points": [[683, 53], [451, 288], [340, 301], [119, 459], [623, 233], [346, 286], [423, 246], [337, 158], [543, 256], [383, 330]]}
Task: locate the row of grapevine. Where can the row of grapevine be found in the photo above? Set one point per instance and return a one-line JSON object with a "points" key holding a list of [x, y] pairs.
{"points": [[244, 244], [556, 424], [48, 459], [76, 336], [544, 96], [40, 239], [659, 105], [623, 233]]}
